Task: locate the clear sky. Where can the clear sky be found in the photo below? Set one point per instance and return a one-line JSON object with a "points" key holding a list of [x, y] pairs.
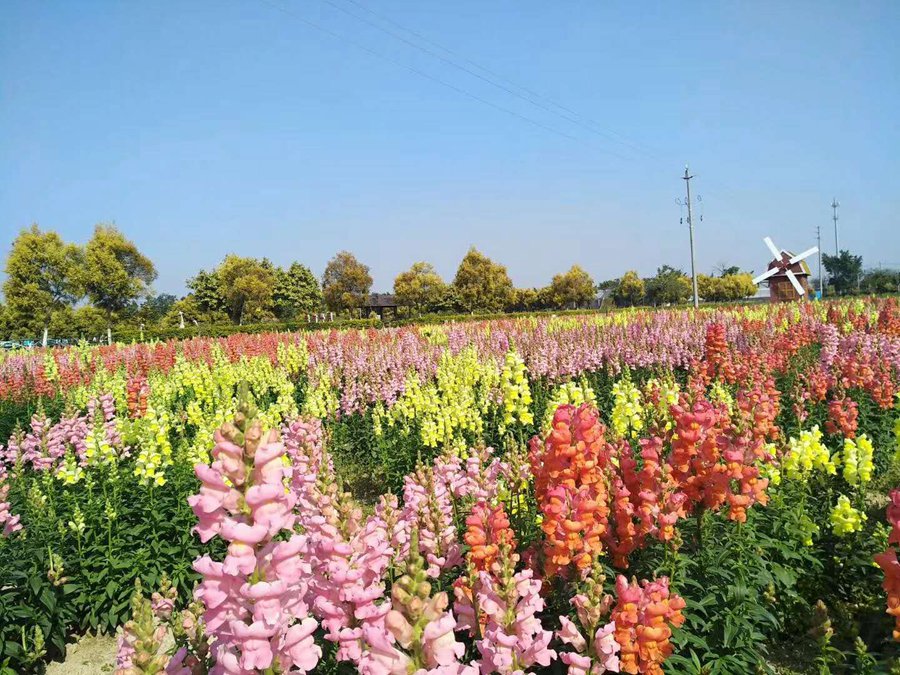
{"points": [[202, 128]]}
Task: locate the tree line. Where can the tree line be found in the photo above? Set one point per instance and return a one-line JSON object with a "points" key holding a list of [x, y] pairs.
{"points": [[65, 290]]}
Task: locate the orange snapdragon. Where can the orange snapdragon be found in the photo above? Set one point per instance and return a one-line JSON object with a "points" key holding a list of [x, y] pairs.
{"points": [[571, 487], [487, 529], [643, 615]]}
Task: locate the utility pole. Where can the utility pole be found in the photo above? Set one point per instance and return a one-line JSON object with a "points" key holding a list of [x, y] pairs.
{"points": [[687, 181], [834, 207], [819, 244]]}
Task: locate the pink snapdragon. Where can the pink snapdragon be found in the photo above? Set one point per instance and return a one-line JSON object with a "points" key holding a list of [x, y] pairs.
{"points": [[347, 556], [477, 477], [255, 599], [417, 634], [502, 606], [428, 507], [9, 522], [595, 648], [139, 646]]}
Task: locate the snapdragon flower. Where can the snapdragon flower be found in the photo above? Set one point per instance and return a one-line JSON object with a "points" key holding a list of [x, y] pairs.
{"points": [[255, 598]]}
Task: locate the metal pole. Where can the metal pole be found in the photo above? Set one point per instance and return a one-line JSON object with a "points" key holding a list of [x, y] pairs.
{"points": [[819, 243], [687, 180], [834, 206]]}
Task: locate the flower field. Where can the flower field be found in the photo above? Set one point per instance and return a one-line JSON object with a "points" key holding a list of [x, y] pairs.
{"points": [[640, 492]]}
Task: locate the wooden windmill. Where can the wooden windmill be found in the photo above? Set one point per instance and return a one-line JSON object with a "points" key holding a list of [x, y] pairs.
{"points": [[787, 274]]}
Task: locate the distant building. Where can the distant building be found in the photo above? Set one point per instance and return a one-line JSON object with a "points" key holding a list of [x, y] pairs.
{"points": [[597, 301], [379, 303]]}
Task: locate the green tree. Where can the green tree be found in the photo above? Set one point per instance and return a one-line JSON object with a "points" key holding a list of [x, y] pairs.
{"points": [[346, 282], [482, 284], [4, 322], [668, 286], [207, 294], [710, 288], [448, 302], [739, 286], [296, 292], [115, 273], [527, 299], [881, 281], [246, 287], [844, 269], [155, 307], [608, 285], [728, 288], [419, 287], [89, 323], [573, 289], [724, 270], [630, 291], [187, 309], [41, 278]]}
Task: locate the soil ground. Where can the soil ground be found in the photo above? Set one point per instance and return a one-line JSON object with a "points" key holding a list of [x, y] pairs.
{"points": [[89, 656]]}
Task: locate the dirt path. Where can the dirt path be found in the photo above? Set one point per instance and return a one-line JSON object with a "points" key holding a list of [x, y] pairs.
{"points": [[89, 656]]}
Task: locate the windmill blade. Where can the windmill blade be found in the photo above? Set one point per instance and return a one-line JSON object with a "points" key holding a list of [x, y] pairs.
{"points": [[800, 256], [765, 275], [771, 245], [795, 282]]}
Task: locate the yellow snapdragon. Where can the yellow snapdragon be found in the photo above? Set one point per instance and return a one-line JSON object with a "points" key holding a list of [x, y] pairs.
{"points": [[844, 518], [668, 393], [718, 393], [155, 454], [807, 454], [69, 471], [568, 393], [515, 391], [627, 417], [807, 529], [321, 401], [456, 401], [856, 460]]}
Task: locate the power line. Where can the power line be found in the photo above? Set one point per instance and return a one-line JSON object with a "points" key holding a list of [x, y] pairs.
{"points": [[416, 71], [531, 97]]}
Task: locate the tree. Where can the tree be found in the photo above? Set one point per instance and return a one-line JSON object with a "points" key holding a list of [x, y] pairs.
{"points": [[4, 321], [739, 286], [448, 302], [187, 309], [630, 290], [346, 282], [724, 270], [207, 294], [724, 289], [881, 281], [115, 272], [608, 285], [527, 299], [41, 278], [296, 292], [89, 323], [844, 269], [246, 286], [668, 286], [419, 287], [483, 285], [573, 289], [155, 307]]}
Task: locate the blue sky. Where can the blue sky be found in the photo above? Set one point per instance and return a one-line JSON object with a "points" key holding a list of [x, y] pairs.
{"points": [[205, 128]]}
